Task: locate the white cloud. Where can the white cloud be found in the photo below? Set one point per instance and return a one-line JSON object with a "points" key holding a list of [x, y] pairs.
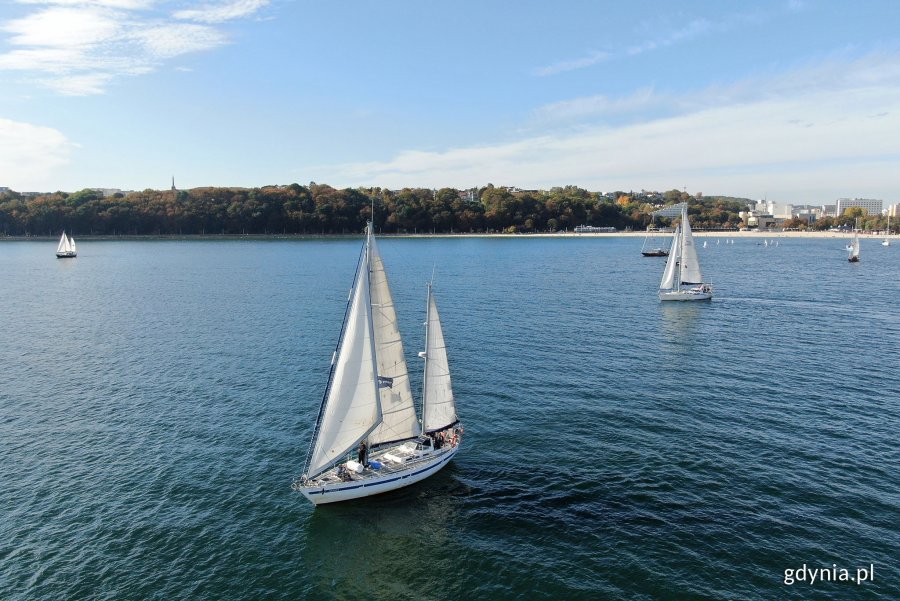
{"points": [[784, 141], [79, 47], [79, 85], [591, 59], [127, 4], [579, 108], [691, 30], [29, 152], [169, 41], [64, 27], [220, 12]]}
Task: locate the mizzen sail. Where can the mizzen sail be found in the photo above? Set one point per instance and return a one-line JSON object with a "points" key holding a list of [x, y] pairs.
{"points": [[439, 406]]}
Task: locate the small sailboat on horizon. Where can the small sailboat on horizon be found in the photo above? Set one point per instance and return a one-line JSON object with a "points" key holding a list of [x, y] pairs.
{"points": [[66, 248], [887, 242], [368, 405], [682, 280]]}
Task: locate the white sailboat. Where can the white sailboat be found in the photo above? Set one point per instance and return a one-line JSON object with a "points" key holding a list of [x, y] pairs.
{"points": [[368, 406], [66, 248], [853, 257], [887, 242], [682, 280]]}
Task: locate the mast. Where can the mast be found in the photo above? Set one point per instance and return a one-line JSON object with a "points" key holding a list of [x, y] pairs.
{"points": [[369, 228], [684, 226], [424, 355]]}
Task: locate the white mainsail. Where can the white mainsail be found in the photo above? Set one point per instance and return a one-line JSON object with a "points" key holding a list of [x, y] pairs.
{"points": [[690, 264], [351, 409], [399, 420], [438, 404], [669, 278], [63, 244], [854, 246]]}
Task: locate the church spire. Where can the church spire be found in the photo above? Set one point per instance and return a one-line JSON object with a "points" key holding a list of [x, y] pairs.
{"points": [[173, 183]]}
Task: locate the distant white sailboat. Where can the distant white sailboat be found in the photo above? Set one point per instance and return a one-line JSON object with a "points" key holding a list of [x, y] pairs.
{"points": [[368, 405], [887, 242], [766, 243], [704, 244], [682, 280], [854, 249], [66, 248]]}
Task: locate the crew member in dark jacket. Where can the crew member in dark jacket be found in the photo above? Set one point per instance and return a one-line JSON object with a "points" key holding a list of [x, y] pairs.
{"points": [[363, 453]]}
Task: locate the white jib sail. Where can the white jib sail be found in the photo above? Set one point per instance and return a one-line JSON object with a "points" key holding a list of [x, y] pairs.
{"points": [[351, 409], [63, 244], [72, 244], [440, 406], [668, 279], [690, 264], [398, 421]]}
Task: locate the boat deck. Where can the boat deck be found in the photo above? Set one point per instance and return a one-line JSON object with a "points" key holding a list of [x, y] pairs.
{"points": [[394, 459]]}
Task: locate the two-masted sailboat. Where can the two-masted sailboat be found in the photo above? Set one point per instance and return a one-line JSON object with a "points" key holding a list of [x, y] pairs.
{"points": [[367, 439], [66, 248], [681, 279]]}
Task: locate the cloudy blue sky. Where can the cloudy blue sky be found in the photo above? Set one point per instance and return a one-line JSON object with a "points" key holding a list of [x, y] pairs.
{"points": [[793, 100]]}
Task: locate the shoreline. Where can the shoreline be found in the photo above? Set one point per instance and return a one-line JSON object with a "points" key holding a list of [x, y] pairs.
{"points": [[545, 235]]}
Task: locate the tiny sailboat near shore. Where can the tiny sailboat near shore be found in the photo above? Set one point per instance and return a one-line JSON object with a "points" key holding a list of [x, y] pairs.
{"points": [[368, 439], [66, 248]]}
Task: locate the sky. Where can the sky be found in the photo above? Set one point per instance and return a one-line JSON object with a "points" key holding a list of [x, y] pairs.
{"points": [[796, 101]]}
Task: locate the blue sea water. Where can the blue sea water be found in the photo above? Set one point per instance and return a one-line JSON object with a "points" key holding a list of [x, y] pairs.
{"points": [[157, 397]]}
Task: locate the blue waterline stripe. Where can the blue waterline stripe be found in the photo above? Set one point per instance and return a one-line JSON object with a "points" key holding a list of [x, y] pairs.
{"points": [[438, 464]]}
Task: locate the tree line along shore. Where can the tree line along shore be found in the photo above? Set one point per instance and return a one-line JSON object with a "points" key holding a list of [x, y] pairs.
{"points": [[322, 209]]}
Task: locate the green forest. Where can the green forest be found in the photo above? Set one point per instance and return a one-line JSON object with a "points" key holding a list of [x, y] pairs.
{"points": [[321, 209]]}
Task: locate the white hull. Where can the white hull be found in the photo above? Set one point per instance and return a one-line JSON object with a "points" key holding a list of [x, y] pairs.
{"points": [[684, 295], [377, 483]]}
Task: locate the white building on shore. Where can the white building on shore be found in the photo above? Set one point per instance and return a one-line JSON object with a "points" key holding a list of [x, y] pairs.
{"points": [[871, 205]]}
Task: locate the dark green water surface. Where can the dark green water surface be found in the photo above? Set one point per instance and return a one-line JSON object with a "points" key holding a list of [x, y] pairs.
{"points": [[157, 397]]}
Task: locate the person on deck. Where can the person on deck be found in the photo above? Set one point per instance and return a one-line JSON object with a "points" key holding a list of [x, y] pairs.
{"points": [[363, 453]]}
